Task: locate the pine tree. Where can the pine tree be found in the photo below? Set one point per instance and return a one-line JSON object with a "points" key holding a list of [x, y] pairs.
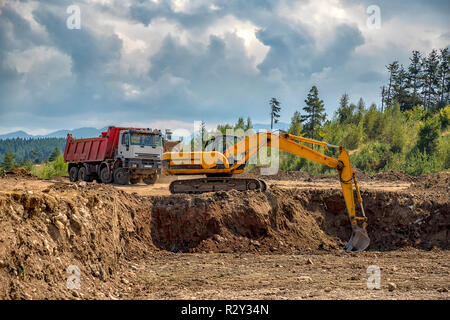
{"points": [[248, 124], [393, 70], [240, 124], [344, 113], [34, 156], [443, 76], [203, 133], [274, 111], [8, 161], [414, 76], [56, 152], [361, 106], [296, 127], [383, 97], [400, 89], [222, 128], [430, 78], [360, 110], [315, 113], [199, 140]]}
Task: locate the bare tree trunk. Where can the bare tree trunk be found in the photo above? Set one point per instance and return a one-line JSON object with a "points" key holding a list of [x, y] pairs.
{"points": [[388, 102]]}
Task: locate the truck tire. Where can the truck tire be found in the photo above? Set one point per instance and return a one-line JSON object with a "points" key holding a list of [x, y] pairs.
{"points": [[83, 175], [151, 179], [106, 176], [121, 176], [73, 174]]}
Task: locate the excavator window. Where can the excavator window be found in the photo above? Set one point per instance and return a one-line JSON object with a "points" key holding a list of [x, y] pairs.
{"points": [[221, 142]]}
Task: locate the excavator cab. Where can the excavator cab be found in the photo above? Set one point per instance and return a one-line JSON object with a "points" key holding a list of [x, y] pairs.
{"points": [[221, 143]]}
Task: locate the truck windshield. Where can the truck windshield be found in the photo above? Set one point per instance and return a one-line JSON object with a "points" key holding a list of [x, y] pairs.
{"points": [[138, 139]]}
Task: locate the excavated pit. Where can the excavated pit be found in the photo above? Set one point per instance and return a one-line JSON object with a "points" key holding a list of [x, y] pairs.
{"points": [[295, 221], [98, 227]]}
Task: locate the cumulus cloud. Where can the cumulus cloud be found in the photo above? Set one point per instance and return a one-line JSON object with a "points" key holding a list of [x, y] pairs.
{"points": [[169, 62]]}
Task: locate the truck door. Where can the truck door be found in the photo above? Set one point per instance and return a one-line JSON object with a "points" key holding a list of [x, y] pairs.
{"points": [[124, 146]]}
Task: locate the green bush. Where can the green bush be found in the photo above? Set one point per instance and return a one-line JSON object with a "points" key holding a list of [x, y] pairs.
{"points": [[444, 152], [372, 158], [418, 163], [353, 137], [52, 169], [429, 134], [444, 117]]}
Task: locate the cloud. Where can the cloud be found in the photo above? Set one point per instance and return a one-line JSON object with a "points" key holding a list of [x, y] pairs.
{"points": [[175, 61]]}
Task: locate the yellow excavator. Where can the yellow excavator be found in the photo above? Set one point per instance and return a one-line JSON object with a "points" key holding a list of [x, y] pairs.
{"points": [[226, 155]]}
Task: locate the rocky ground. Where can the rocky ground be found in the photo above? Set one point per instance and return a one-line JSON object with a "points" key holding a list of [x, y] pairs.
{"points": [[140, 242]]}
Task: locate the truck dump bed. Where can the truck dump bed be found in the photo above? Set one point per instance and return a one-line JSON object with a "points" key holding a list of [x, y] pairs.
{"points": [[92, 149], [85, 150]]}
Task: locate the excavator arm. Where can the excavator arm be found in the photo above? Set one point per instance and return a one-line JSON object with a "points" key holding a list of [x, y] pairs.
{"points": [[290, 143], [222, 165]]}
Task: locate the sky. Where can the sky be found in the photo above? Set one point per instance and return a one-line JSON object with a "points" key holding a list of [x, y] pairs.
{"points": [[166, 64]]}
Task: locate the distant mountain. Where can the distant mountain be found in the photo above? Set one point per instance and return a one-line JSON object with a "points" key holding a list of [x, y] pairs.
{"points": [[89, 132], [15, 134], [86, 132]]}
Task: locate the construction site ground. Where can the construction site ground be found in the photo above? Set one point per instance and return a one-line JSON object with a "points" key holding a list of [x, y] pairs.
{"points": [[141, 242]]}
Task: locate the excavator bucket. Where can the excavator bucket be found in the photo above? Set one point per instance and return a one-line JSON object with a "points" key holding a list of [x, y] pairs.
{"points": [[358, 241]]}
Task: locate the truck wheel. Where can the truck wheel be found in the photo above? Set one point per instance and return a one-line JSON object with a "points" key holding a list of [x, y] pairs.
{"points": [[82, 174], [121, 176], [105, 175], [151, 179], [73, 174]]}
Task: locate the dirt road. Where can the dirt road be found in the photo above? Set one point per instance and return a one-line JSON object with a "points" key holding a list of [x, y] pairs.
{"points": [[140, 242]]}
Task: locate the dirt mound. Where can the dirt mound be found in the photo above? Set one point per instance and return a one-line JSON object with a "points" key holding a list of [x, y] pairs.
{"points": [[394, 176], [44, 233], [439, 182], [18, 173], [361, 175]]}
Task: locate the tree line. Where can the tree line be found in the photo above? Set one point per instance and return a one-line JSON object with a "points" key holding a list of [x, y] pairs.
{"points": [[425, 81], [396, 136], [26, 152], [408, 133]]}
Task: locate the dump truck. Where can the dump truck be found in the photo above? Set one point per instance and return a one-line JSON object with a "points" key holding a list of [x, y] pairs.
{"points": [[120, 155]]}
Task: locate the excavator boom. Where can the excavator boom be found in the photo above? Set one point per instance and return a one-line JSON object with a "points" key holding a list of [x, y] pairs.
{"points": [[220, 166]]}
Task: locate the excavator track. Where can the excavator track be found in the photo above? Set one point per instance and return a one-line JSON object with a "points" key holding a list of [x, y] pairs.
{"points": [[216, 184]]}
